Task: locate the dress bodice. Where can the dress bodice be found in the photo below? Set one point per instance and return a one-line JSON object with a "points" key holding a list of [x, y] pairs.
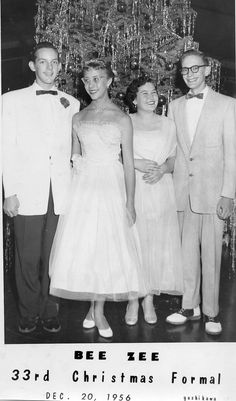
{"points": [[157, 144], [100, 142]]}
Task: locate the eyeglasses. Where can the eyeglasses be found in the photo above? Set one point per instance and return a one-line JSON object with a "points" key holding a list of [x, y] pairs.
{"points": [[194, 69]]}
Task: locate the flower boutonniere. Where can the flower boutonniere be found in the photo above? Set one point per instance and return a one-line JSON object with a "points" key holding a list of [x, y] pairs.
{"points": [[65, 102]]}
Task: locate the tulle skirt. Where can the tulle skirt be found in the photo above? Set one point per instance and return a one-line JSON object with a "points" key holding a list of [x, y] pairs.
{"points": [[158, 230], [96, 255]]}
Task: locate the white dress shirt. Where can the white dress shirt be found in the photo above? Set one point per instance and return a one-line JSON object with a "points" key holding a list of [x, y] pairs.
{"points": [[193, 110], [49, 112]]}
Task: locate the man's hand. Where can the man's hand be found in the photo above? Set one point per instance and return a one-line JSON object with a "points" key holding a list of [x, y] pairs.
{"points": [[76, 160], [145, 165], [11, 206], [224, 208]]}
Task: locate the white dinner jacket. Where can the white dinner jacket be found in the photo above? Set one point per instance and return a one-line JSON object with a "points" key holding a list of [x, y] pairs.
{"points": [[35, 154]]}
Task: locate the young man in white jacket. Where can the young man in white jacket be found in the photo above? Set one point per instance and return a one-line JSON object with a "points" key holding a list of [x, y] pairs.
{"points": [[36, 126]]}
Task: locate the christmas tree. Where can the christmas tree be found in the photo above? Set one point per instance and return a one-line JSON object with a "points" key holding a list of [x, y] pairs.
{"points": [[137, 36]]}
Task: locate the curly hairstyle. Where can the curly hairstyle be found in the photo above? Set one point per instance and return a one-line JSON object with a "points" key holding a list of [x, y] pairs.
{"points": [[98, 64], [132, 90]]}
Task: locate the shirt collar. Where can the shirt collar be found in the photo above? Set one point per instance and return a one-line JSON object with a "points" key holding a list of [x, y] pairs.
{"points": [[38, 87]]}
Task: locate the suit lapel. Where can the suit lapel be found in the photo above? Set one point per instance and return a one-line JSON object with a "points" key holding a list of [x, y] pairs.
{"points": [[61, 113], [208, 109], [182, 124]]}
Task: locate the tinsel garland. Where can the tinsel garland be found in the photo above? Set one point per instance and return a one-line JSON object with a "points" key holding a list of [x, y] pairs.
{"points": [[8, 244], [138, 37], [229, 240]]}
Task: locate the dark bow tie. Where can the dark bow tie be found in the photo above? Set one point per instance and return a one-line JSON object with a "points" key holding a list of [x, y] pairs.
{"points": [[43, 92], [198, 96]]}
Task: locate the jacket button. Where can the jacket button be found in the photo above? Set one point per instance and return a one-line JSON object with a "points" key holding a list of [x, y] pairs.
{"points": [[191, 159], [190, 175], [50, 157]]}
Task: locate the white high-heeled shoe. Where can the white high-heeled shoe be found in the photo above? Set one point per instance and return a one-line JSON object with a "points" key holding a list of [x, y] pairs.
{"points": [[151, 317], [131, 320], [89, 323], [106, 333]]}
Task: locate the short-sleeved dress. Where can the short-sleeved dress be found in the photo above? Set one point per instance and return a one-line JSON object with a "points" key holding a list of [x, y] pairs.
{"points": [[157, 220], [96, 254]]}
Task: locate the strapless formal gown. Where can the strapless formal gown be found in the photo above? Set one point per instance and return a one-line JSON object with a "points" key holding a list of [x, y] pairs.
{"points": [[157, 221], [96, 254]]}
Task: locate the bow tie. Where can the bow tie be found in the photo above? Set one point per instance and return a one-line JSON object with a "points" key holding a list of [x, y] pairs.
{"points": [[43, 92], [198, 96]]}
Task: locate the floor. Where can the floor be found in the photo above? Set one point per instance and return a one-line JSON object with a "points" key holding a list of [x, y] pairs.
{"points": [[72, 314]]}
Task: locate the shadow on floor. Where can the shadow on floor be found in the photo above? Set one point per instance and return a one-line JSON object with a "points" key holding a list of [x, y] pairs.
{"points": [[72, 314]]}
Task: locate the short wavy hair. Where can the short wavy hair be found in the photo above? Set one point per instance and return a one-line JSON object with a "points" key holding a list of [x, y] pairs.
{"points": [[194, 52], [41, 45], [98, 64], [132, 90]]}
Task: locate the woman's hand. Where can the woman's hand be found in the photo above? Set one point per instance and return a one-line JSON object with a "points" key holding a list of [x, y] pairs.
{"points": [[145, 165], [131, 214], [152, 177]]}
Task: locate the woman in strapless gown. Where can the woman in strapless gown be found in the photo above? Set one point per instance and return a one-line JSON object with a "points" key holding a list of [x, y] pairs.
{"points": [[96, 253], [157, 222]]}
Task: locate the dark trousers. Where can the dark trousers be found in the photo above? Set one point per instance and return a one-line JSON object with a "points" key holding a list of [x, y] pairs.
{"points": [[33, 240]]}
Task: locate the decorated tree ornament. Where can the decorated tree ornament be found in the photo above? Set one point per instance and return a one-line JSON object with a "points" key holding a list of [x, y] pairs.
{"points": [[144, 74], [121, 7], [134, 64], [161, 100], [70, 67], [148, 25], [120, 96], [169, 66]]}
